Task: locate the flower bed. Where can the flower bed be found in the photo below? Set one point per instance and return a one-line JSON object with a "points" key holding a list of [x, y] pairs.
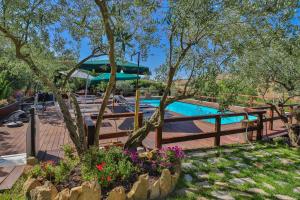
{"points": [[108, 174]]}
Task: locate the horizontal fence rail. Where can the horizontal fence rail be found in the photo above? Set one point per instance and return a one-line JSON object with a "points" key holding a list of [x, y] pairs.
{"points": [[159, 140], [90, 126]]}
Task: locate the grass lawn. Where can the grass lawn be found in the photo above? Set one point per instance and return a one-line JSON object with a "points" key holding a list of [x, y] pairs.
{"points": [[261, 171]]}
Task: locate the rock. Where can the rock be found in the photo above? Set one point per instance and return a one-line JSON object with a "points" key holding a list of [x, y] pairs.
{"points": [[219, 173], [221, 184], [188, 178], [174, 179], [284, 197], [140, 149], [45, 192], [186, 192], [281, 171], [139, 189], [165, 181], [281, 183], [202, 175], [286, 161], [187, 166], [63, 195], [75, 192], [31, 161], [237, 181], [117, 193], [268, 186], [296, 190], [249, 180], [235, 158], [203, 184], [297, 172], [29, 185], [235, 172], [90, 191], [241, 165], [222, 195], [201, 198], [155, 190], [258, 191]]}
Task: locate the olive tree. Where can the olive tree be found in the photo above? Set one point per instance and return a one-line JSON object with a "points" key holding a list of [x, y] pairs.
{"points": [[270, 61], [218, 32], [35, 29]]}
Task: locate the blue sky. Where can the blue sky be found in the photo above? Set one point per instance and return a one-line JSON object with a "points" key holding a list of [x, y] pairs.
{"points": [[157, 55]]}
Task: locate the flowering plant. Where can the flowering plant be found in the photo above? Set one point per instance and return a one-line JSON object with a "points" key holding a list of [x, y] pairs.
{"points": [[156, 160], [104, 173], [48, 168], [169, 157], [112, 164]]}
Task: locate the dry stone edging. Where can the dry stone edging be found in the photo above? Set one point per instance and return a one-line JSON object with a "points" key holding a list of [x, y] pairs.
{"points": [[142, 189]]}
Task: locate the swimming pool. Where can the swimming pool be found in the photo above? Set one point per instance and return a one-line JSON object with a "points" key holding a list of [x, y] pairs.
{"points": [[188, 109]]}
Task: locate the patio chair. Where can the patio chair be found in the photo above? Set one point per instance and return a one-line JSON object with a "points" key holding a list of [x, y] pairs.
{"points": [[123, 101]]}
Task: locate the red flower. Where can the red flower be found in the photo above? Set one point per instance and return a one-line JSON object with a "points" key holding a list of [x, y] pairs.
{"points": [[108, 178], [100, 166]]}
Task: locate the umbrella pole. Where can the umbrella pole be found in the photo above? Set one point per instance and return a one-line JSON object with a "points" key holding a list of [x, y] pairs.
{"points": [[86, 86], [137, 110], [113, 102]]}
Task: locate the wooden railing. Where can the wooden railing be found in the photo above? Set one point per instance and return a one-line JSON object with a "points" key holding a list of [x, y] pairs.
{"points": [[216, 134], [271, 112], [90, 126]]}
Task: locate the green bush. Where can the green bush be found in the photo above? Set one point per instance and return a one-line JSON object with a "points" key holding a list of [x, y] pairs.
{"points": [[107, 165], [5, 87], [56, 172]]}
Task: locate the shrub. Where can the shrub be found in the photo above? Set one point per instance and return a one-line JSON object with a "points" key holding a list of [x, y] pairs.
{"points": [[36, 171], [68, 151], [107, 165]]}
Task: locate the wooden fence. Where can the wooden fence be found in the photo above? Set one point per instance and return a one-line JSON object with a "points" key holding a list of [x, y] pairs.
{"points": [[216, 134], [90, 126], [258, 126]]}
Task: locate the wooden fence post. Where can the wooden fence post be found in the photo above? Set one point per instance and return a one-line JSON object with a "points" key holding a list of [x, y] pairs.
{"points": [[32, 131], [291, 114], [271, 118], [218, 130], [158, 139], [90, 130], [260, 127], [140, 119]]}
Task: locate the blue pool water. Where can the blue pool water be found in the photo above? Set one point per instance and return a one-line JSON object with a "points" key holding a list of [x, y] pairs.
{"points": [[188, 109]]}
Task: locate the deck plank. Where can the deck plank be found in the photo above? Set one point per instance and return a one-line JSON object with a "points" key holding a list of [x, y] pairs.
{"points": [[13, 176]]}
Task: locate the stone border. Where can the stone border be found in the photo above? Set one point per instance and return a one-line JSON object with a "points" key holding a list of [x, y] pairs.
{"points": [[142, 189]]}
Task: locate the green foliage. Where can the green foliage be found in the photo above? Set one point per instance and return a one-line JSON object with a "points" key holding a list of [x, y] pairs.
{"points": [[125, 87], [108, 165], [55, 173], [68, 151], [101, 86], [36, 171], [154, 87], [229, 90], [5, 87]]}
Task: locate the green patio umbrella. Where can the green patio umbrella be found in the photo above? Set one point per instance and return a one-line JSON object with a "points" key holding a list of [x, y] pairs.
{"points": [[119, 76], [103, 66]]}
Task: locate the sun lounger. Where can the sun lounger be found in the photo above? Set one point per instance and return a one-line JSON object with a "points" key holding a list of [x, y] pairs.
{"points": [[122, 100]]}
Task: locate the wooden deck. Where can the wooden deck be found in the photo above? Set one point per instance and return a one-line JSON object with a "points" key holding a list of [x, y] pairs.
{"points": [[53, 134]]}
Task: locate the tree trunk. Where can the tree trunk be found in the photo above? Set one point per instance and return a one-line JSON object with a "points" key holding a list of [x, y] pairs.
{"points": [[112, 80], [293, 129]]}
